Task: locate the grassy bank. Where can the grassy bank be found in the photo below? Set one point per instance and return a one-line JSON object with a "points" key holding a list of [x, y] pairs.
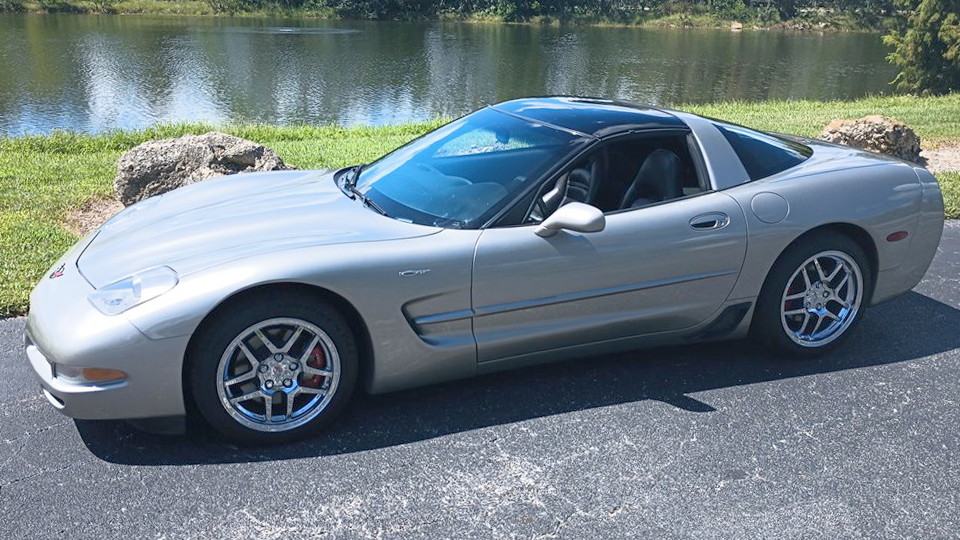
{"points": [[812, 19], [44, 178]]}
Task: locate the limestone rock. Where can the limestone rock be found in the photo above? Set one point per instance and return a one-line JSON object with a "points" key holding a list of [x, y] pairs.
{"points": [[876, 134], [156, 167]]}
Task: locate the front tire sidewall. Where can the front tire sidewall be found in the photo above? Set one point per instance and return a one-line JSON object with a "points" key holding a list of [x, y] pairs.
{"points": [[210, 344], [768, 328]]}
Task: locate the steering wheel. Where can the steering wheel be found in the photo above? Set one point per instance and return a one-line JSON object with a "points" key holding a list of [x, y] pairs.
{"points": [[546, 204]]}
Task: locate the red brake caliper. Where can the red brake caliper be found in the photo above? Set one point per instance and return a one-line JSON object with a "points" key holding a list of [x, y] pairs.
{"points": [[316, 360]]}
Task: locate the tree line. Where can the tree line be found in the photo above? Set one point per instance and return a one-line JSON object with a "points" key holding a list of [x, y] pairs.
{"points": [[612, 10]]}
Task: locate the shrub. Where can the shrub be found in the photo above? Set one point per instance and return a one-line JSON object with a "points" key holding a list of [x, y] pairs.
{"points": [[927, 47], [11, 5]]}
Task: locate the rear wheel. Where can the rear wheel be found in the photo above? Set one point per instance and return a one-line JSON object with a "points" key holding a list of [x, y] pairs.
{"points": [[273, 370], [813, 297]]}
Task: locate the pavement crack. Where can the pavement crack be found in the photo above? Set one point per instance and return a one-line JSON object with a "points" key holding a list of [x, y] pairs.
{"points": [[37, 474], [34, 433]]}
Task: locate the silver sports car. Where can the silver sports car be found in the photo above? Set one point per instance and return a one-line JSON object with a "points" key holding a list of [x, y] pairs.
{"points": [[529, 231]]}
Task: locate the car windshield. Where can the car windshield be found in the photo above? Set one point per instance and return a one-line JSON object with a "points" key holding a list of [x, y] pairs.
{"points": [[463, 173]]}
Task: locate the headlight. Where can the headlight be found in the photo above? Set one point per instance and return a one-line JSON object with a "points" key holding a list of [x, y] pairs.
{"points": [[135, 290]]}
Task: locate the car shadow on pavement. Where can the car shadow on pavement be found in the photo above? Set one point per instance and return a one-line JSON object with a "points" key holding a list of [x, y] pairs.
{"points": [[908, 328]]}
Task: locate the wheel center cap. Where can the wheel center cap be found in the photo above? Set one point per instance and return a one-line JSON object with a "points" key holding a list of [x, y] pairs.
{"points": [[278, 372], [815, 299]]}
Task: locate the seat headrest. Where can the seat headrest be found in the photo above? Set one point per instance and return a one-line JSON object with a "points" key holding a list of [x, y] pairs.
{"points": [[657, 180]]}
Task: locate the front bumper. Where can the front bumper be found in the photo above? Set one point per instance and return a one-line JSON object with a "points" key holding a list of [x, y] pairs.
{"points": [[64, 328]]}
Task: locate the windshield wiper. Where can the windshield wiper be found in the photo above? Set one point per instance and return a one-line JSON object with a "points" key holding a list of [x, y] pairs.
{"points": [[367, 201], [350, 186], [347, 179], [352, 176]]}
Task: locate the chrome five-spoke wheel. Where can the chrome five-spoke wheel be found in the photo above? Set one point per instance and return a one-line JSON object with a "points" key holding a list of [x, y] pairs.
{"points": [[821, 299], [813, 296], [273, 366], [278, 374]]}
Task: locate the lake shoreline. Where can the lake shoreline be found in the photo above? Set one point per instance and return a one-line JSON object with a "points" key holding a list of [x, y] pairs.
{"points": [[811, 22], [46, 179]]}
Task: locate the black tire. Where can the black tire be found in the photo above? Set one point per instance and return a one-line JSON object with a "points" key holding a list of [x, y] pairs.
{"points": [[209, 348], [769, 326]]}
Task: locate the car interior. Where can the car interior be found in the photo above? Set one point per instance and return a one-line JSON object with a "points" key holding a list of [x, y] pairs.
{"points": [[625, 174]]}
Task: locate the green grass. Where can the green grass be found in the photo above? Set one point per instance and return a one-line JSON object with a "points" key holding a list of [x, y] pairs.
{"points": [[950, 185], [935, 119], [43, 178]]}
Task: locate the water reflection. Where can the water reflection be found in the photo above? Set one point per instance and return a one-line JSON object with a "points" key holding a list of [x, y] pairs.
{"points": [[98, 73]]}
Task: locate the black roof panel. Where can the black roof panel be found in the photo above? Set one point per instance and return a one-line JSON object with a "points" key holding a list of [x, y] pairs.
{"points": [[591, 116]]}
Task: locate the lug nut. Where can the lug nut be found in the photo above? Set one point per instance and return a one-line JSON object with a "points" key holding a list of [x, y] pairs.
{"points": [[264, 368], [287, 383], [278, 357], [294, 366], [268, 384]]}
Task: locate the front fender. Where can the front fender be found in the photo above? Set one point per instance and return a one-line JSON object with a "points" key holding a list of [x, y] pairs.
{"points": [[375, 278]]}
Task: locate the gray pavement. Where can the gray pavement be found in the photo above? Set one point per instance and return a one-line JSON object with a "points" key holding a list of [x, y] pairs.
{"points": [[711, 441]]}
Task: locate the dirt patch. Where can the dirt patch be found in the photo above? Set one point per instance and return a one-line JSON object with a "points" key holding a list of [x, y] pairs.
{"points": [[91, 215], [943, 157]]}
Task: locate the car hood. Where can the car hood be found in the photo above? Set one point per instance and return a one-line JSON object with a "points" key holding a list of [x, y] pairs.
{"points": [[233, 217]]}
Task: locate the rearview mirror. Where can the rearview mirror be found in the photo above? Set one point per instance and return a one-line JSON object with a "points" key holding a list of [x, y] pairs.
{"points": [[573, 216]]}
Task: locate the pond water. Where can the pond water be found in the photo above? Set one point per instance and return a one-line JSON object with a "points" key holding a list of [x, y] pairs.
{"points": [[96, 73]]}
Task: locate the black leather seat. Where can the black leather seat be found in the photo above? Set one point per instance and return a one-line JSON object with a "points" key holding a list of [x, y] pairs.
{"points": [[582, 185], [657, 180]]}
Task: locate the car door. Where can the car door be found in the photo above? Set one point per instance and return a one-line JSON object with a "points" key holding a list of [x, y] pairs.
{"points": [[654, 269]]}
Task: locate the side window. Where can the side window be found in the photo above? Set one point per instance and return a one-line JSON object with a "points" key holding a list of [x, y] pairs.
{"points": [[763, 155], [625, 174]]}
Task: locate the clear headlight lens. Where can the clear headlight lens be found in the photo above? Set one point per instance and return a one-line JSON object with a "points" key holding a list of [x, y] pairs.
{"points": [[134, 290]]}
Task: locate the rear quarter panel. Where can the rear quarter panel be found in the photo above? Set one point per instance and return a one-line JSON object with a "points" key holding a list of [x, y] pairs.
{"points": [[836, 186]]}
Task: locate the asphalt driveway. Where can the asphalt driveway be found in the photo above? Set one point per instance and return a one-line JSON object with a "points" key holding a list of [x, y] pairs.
{"points": [[715, 441]]}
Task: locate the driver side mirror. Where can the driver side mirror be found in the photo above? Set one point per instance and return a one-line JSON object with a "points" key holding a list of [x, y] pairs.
{"points": [[573, 216]]}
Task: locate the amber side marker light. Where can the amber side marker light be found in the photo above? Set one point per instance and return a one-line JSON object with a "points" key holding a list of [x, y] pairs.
{"points": [[88, 375], [897, 236]]}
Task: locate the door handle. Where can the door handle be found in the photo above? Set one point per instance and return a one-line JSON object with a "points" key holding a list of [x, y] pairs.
{"points": [[710, 222]]}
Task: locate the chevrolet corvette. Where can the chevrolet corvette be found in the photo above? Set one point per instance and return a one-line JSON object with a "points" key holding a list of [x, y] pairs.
{"points": [[533, 230]]}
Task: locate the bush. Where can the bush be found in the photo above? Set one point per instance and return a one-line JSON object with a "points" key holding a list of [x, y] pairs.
{"points": [[11, 5], [927, 47], [105, 6], [231, 6]]}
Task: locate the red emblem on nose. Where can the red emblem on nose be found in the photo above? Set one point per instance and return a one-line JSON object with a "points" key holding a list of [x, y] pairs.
{"points": [[57, 273]]}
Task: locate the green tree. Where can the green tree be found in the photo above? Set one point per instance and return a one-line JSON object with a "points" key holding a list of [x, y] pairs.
{"points": [[927, 47], [11, 5]]}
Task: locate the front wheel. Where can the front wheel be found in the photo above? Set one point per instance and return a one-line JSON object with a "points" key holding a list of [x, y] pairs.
{"points": [[813, 297], [272, 370]]}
